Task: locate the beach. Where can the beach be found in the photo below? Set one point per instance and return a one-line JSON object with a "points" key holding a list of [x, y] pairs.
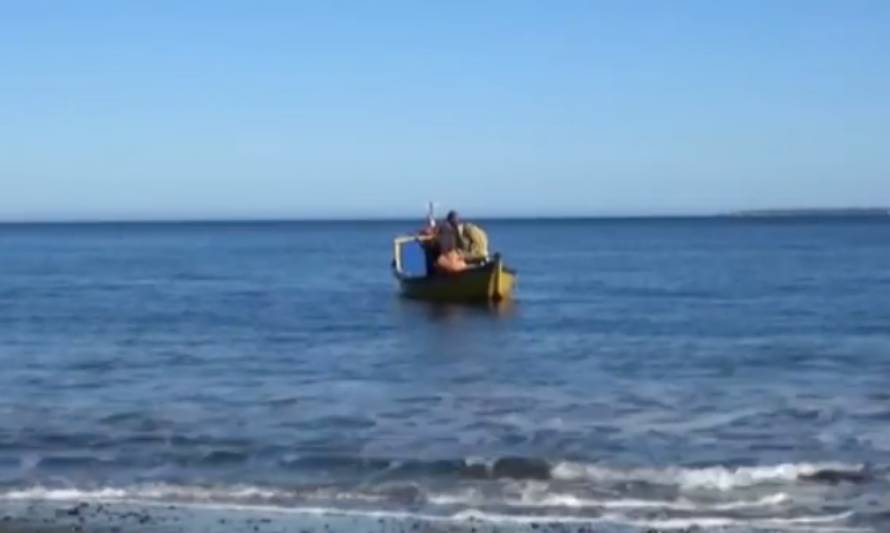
{"points": [[41, 517]]}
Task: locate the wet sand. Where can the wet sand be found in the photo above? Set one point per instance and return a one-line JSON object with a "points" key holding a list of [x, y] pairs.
{"points": [[94, 517]]}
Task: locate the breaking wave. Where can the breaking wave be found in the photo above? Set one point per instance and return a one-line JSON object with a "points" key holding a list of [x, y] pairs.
{"points": [[546, 499], [526, 468], [521, 490], [617, 512], [527, 497], [716, 477]]}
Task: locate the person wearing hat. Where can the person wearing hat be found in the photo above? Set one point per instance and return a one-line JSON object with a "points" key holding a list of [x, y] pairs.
{"points": [[471, 240]]}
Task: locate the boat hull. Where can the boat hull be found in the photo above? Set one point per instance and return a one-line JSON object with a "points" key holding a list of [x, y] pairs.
{"points": [[488, 283]]}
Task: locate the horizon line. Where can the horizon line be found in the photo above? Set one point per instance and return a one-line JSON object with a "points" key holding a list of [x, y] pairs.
{"points": [[323, 219], [831, 212]]}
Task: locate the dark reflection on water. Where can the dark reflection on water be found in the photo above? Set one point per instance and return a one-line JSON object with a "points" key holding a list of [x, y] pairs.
{"points": [[436, 311]]}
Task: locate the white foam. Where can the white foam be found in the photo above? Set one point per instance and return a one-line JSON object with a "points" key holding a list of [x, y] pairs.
{"points": [[138, 497], [536, 498], [812, 523], [825, 519], [487, 463], [150, 492], [716, 477], [40, 493], [181, 493], [467, 497], [574, 502]]}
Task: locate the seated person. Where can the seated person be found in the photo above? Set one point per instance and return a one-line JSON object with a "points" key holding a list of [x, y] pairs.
{"points": [[428, 238], [471, 239], [450, 258]]}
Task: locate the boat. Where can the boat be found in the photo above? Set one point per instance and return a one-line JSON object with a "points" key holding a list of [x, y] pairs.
{"points": [[487, 281]]}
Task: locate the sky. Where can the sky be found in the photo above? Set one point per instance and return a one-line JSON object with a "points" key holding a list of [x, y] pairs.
{"points": [[282, 109]]}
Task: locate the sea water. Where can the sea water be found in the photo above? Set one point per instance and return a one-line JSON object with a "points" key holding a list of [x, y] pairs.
{"points": [[651, 373]]}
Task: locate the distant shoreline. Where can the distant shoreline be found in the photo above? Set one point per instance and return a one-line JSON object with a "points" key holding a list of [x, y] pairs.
{"points": [[815, 212]]}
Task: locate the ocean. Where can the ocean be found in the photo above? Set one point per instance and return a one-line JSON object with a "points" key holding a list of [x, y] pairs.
{"points": [[650, 374]]}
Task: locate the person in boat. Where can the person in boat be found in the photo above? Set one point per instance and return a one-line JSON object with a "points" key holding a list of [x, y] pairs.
{"points": [[471, 240], [429, 242], [450, 258]]}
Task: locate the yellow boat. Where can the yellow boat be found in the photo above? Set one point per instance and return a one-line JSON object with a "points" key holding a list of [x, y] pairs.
{"points": [[489, 281]]}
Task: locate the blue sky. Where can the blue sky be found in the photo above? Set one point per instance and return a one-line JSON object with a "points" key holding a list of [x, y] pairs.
{"points": [[331, 109]]}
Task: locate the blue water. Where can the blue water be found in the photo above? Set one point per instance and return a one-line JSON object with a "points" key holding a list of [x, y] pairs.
{"points": [[650, 372]]}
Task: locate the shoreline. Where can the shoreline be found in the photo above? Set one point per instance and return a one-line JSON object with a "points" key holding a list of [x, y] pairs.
{"points": [[41, 516]]}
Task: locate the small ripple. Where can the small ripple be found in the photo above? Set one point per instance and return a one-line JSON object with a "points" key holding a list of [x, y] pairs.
{"points": [[224, 457], [283, 402], [339, 422]]}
